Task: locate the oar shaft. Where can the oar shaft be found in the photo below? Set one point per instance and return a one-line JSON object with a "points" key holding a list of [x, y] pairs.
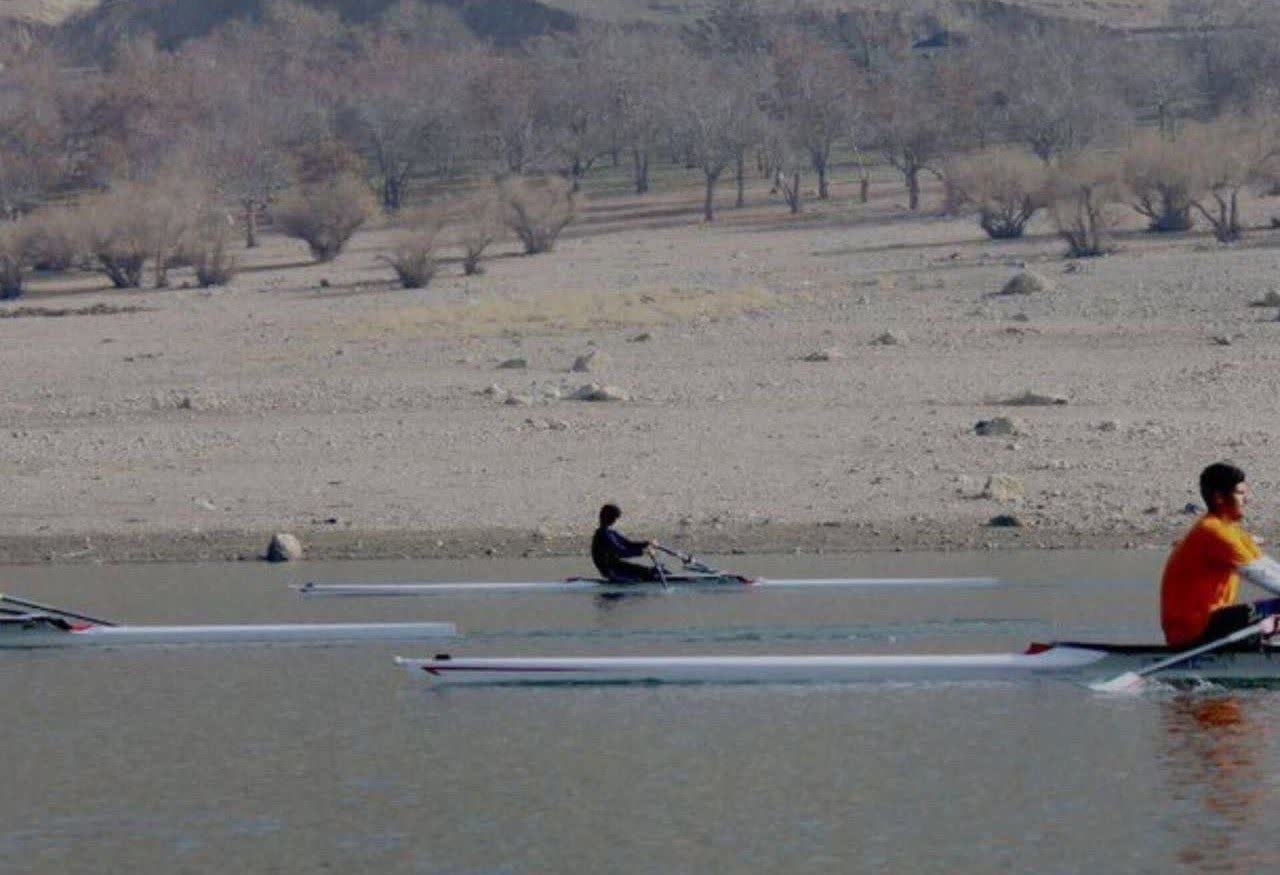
{"points": [[683, 557], [1238, 635], [52, 610]]}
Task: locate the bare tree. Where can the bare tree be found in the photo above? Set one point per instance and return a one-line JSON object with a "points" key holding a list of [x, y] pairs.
{"points": [[1006, 188], [1230, 155], [537, 210], [1083, 191], [127, 225], [788, 164], [503, 113], [413, 254], [1055, 95], [403, 114], [923, 111], [1160, 174], [13, 260], [38, 148], [815, 92], [325, 214], [721, 121], [577, 97], [480, 222]]}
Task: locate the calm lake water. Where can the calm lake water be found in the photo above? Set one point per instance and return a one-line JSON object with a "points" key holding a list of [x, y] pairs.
{"points": [[304, 759]]}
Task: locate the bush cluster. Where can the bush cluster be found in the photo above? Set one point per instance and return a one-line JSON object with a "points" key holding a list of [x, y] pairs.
{"points": [[1169, 178]]}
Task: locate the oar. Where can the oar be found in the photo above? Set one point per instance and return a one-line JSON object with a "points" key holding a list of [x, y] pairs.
{"points": [[1132, 680], [688, 560], [51, 610], [662, 572]]}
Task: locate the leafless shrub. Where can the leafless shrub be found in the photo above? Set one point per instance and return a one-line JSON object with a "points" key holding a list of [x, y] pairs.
{"points": [[1159, 174], [54, 239], [480, 225], [173, 206], [1082, 194], [209, 249], [119, 234], [413, 257], [1006, 187], [537, 210], [325, 214], [1230, 155], [13, 257]]}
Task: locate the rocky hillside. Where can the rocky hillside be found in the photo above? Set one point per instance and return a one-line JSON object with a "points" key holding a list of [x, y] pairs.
{"points": [[178, 18]]}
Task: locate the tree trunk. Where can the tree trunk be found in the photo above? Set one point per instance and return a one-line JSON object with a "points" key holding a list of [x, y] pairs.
{"points": [[794, 199], [820, 165], [864, 190], [708, 212], [913, 189], [392, 193], [162, 269], [640, 159], [741, 171], [250, 224]]}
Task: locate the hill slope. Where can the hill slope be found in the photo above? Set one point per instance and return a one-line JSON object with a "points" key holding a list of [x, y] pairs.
{"points": [[1114, 13]]}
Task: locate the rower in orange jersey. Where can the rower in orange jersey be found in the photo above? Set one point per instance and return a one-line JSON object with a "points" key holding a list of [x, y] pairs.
{"points": [[1202, 575]]}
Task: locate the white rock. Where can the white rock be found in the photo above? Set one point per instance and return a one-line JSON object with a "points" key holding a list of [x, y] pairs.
{"points": [[598, 392], [589, 361], [1004, 487], [284, 548]]}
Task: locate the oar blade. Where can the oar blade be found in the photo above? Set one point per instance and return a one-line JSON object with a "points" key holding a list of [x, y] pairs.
{"points": [[1127, 683]]}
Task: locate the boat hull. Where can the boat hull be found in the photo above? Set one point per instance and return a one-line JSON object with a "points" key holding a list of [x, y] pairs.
{"points": [[707, 583], [1064, 661], [38, 635]]}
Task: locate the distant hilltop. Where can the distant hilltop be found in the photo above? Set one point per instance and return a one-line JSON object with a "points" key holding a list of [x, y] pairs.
{"points": [[1114, 13]]}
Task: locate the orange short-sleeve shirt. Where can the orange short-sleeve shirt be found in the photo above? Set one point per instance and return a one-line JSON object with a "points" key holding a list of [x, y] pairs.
{"points": [[1201, 576]]}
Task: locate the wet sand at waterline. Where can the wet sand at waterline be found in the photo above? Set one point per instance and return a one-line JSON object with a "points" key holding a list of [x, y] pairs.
{"points": [[372, 421]]}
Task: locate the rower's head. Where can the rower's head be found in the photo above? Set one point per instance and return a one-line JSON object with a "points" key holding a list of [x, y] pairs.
{"points": [[1224, 491], [609, 514]]}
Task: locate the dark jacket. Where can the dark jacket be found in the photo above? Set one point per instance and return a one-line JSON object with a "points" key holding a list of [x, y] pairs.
{"points": [[609, 548]]}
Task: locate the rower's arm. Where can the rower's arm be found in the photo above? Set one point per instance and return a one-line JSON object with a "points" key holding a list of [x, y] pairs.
{"points": [[1263, 572]]}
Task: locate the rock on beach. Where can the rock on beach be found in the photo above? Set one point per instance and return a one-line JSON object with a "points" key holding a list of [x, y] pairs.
{"points": [[284, 547]]}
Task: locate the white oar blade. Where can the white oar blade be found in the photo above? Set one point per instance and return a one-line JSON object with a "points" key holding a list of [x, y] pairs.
{"points": [[1129, 682]]}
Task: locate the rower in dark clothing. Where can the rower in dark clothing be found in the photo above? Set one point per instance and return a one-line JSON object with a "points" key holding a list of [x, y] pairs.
{"points": [[610, 550]]}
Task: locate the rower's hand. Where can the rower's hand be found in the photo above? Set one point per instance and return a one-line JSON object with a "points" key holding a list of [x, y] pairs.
{"points": [[1269, 625]]}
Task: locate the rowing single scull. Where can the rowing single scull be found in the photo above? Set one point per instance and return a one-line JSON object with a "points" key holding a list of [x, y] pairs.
{"points": [[31, 631], [1068, 660], [700, 583]]}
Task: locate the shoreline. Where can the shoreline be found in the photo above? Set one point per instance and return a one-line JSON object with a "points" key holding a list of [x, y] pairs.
{"points": [[475, 543]]}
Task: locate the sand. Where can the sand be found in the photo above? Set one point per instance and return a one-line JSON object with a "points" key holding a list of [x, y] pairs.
{"points": [[325, 401]]}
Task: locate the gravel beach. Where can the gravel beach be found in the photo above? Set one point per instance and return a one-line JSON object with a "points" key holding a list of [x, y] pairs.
{"points": [[812, 382]]}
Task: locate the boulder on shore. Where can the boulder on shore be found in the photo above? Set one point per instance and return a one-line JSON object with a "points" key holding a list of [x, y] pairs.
{"points": [[1004, 487], [284, 547], [1026, 282], [1000, 426]]}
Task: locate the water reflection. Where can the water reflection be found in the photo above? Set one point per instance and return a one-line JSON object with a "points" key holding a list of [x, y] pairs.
{"points": [[1215, 753]]}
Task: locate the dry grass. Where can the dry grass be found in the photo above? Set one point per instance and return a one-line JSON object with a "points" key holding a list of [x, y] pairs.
{"points": [[562, 312]]}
